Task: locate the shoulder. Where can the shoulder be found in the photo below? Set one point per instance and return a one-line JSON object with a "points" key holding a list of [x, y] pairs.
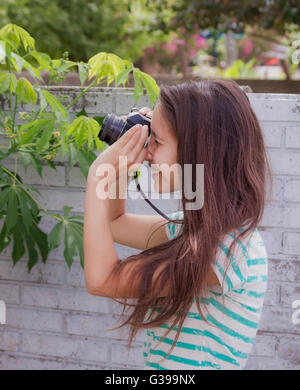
{"points": [[248, 257], [174, 228]]}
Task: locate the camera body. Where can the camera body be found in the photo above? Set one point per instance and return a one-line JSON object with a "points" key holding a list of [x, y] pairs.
{"points": [[113, 127]]}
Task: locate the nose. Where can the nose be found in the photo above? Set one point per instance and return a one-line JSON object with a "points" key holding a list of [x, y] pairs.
{"points": [[149, 157]]}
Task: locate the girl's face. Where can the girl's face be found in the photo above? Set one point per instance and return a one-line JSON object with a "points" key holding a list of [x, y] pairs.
{"points": [[162, 154]]}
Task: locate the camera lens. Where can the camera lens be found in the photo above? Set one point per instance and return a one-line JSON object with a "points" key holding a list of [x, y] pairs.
{"points": [[112, 129]]}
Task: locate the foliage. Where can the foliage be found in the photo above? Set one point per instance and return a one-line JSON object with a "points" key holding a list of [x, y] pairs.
{"points": [[44, 131], [85, 27], [239, 69], [236, 14]]}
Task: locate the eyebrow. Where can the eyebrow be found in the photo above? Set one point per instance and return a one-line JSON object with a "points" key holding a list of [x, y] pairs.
{"points": [[155, 135]]}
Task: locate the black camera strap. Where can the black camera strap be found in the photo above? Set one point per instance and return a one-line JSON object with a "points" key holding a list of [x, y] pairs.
{"points": [[147, 200]]}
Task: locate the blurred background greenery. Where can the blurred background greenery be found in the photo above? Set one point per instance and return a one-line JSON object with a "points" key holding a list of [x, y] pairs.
{"points": [[256, 39]]}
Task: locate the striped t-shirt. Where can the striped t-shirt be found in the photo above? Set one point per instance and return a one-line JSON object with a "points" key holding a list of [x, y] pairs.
{"points": [[226, 342]]}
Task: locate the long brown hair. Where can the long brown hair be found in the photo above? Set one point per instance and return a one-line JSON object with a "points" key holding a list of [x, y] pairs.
{"points": [[218, 128]]}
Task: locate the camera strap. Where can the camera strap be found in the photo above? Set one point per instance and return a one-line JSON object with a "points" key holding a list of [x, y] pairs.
{"points": [[147, 200]]}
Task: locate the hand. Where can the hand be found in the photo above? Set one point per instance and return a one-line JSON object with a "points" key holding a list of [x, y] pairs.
{"points": [[144, 111], [130, 147]]}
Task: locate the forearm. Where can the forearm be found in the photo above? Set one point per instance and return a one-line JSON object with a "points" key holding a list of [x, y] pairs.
{"points": [[100, 256], [117, 205]]}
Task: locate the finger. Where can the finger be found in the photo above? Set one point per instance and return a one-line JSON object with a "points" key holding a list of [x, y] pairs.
{"points": [[146, 111], [134, 140], [138, 162], [125, 138], [141, 156], [137, 149]]}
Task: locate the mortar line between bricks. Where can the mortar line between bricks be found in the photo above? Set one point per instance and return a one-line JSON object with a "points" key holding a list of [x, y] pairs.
{"points": [[72, 311], [53, 358], [266, 332], [279, 229], [53, 188], [61, 358], [39, 285], [113, 339], [74, 336]]}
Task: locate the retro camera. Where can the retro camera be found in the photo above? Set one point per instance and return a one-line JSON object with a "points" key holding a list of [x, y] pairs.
{"points": [[113, 127]]}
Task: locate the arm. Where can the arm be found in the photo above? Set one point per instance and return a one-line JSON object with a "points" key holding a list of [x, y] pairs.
{"points": [[117, 207], [100, 256], [99, 252]]}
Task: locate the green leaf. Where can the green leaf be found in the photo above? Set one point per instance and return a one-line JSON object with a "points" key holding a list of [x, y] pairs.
{"points": [[18, 35], [63, 65], [66, 210], [70, 245], [4, 196], [138, 88], [56, 235], [77, 230], [41, 238], [48, 214], [76, 217], [32, 252], [150, 84], [73, 156], [20, 62], [82, 112], [85, 130], [36, 164], [105, 65], [4, 82], [33, 129], [82, 72], [12, 211], [12, 83], [43, 142], [64, 149], [34, 208], [123, 76], [57, 107], [99, 119], [43, 59], [84, 165], [18, 246], [25, 91], [43, 101], [25, 159], [25, 210], [32, 188], [4, 238]]}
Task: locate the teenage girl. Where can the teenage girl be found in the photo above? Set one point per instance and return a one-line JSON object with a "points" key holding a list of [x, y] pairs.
{"points": [[197, 287]]}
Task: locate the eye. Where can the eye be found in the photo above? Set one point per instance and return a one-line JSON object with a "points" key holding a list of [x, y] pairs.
{"points": [[158, 143]]}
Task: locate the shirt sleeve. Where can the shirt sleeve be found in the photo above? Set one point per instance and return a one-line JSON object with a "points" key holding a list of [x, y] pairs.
{"points": [[231, 268], [172, 228]]}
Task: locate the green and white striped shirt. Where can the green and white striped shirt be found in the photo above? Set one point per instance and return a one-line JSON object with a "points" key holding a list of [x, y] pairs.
{"points": [[226, 342]]}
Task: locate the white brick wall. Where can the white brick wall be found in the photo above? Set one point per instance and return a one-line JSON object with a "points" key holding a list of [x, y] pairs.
{"points": [[53, 323]]}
